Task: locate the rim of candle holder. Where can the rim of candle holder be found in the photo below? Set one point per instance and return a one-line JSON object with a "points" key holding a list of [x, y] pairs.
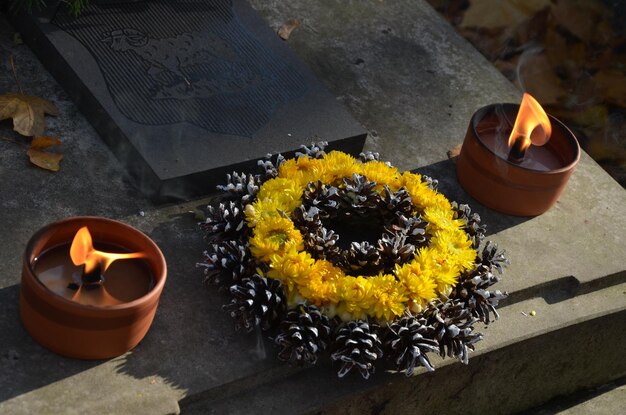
{"points": [[155, 289], [479, 115]]}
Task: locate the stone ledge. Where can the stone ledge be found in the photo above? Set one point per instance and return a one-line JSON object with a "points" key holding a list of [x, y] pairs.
{"points": [[565, 347]]}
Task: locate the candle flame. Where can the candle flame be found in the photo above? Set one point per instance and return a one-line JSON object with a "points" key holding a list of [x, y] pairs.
{"points": [[532, 125], [83, 252]]}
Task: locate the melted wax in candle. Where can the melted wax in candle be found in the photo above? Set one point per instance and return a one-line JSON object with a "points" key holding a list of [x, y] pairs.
{"points": [[125, 280], [539, 158]]}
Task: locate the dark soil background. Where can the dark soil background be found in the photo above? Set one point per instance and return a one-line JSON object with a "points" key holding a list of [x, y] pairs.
{"points": [[569, 54]]}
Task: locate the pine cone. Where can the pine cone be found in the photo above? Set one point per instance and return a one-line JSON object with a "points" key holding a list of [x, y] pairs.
{"points": [[413, 227], [396, 203], [358, 196], [454, 330], [226, 263], [256, 301], [269, 168], [430, 182], [323, 245], [493, 259], [407, 342], [241, 186], [325, 198], [315, 151], [307, 219], [358, 348], [394, 249], [369, 156], [305, 332], [472, 227], [473, 292], [361, 258], [226, 218]]}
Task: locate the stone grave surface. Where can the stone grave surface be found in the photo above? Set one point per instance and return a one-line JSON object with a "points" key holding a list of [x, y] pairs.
{"points": [[405, 75], [186, 91]]}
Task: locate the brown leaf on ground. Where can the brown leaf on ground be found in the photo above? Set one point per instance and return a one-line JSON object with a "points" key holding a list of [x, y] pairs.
{"points": [[557, 48], [493, 14], [454, 152], [593, 117], [452, 10], [44, 141], [45, 160], [489, 42], [532, 29], [581, 18], [611, 86], [27, 112], [538, 78], [285, 30]]}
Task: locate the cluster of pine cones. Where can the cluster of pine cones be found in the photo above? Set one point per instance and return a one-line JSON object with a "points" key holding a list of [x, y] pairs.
{"points": [[358, 203], [304, 333]]}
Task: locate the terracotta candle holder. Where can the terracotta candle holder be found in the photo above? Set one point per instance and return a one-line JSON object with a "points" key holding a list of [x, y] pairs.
{"points": [[83, 313], [522, 188]]}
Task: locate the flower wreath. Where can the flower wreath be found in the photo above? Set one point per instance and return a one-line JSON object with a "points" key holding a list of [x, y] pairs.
{"points": [[275, 243]]}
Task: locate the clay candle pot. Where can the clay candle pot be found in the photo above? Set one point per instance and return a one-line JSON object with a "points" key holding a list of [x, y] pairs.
{"points": [[90, 313], [526, 187]]}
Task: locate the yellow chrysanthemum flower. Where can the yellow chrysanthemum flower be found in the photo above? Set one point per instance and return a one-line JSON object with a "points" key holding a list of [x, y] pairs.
{"points": [[339, 165], [418, 282], [457, 247], [292, 268], [355, 296], [389, 297], [381, 173], [419, 192], [275, 235], [262, 210], [439, 218], [303, 170], [284, 193], [319, 292]]}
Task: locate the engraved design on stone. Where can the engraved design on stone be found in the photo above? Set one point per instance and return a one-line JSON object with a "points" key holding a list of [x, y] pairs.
{"points": [[164, 63], [189, 65]]}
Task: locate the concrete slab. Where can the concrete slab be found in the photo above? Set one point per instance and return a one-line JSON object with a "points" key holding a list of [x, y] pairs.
{"points": [[414, 83]]}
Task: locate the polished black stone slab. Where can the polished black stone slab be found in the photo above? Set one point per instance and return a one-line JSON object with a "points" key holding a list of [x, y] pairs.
{"points": [[186, 91]]}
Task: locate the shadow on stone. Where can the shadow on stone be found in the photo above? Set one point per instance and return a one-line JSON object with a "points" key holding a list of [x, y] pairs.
{"points": [[192, 344], [445, 172], [27, 366], [561, 289]]}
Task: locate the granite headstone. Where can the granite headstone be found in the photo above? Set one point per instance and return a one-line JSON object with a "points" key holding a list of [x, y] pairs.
{"points": [[186, 91]]}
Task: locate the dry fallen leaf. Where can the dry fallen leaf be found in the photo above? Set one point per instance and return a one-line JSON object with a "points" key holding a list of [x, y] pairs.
{"points": [[285, 30], [612, 86], [540, 80], [493, 14], [27, 112], [454, 152], [43, 141], [45, 160], [581, 18]]}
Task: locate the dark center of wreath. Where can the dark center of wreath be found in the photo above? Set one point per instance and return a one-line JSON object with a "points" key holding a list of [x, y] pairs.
{"points": [[358, 229]]}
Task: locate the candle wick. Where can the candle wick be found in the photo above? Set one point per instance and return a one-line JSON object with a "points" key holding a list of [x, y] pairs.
{"points": [[94, 277], [516, 155]]}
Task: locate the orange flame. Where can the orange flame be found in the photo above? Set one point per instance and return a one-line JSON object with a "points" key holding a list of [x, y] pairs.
{"points": [[532, 124], [83, 252]]}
